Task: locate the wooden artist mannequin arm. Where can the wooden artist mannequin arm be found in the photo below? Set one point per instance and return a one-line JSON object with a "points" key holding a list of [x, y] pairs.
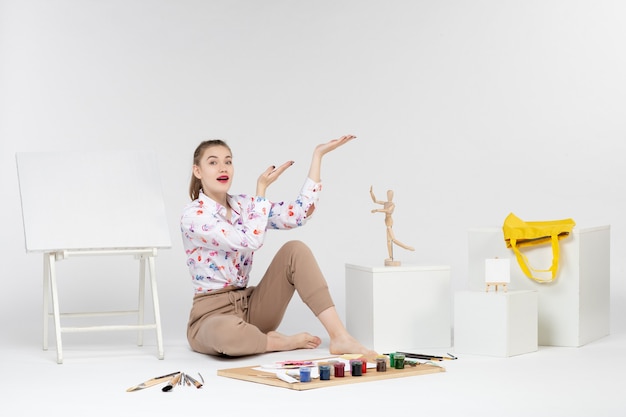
{"points": [[374, 197]]}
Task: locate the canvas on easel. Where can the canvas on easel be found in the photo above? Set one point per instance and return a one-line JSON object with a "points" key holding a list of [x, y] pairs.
{"points": [[93, 203]]}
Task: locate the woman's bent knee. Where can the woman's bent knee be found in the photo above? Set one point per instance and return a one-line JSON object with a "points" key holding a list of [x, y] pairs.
{"points": [[226, 335]]}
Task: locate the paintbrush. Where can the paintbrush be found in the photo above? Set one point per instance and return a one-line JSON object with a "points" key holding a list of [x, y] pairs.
{"points": [[152, 382], [173, 381], [193, 381], [428, 357]]}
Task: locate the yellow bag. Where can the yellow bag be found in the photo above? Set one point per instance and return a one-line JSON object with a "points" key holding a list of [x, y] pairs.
{"points": [[519, 234]]}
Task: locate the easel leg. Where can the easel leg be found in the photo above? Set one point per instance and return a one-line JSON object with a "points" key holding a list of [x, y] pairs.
{"points": [[155, 302], [142, 296], [496, 285], [55, 305], [46, 299]]}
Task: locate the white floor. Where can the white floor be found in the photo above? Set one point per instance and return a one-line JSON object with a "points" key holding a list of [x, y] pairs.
{"points": [[92, 381]]}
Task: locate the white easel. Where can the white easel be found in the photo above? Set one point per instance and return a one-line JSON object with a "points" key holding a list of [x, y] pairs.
{"points": [[497, 273], [93, 204]]}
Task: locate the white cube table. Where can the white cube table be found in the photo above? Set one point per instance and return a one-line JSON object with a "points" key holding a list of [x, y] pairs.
{"points": [[495, 323], [393, 308]]}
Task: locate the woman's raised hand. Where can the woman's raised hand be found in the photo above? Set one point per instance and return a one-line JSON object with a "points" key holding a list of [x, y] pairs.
{"points": [[324, 148], [270, 175]]}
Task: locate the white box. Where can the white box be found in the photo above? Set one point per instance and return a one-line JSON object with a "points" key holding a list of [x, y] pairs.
{"points": [[495, 324], [395, 308], [575, 308]]}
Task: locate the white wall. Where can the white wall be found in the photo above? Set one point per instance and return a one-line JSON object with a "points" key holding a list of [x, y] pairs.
{"points": [[466, 109]]}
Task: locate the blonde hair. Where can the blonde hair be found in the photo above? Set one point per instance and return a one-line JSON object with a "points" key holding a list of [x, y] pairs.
{"points": [[195, 185]]}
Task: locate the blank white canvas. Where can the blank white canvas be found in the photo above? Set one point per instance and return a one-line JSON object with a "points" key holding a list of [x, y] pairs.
{"points": [[91, 200], [497, 270]]}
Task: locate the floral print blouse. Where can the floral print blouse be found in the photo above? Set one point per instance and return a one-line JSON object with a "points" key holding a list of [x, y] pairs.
{"points": [[220, 250]]}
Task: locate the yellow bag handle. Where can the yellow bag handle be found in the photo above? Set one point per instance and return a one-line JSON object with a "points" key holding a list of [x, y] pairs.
{"points": [[518, 233], [522, 260]]}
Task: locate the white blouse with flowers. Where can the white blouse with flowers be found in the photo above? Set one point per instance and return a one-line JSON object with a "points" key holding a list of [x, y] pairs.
{"points": [[220, 250]]}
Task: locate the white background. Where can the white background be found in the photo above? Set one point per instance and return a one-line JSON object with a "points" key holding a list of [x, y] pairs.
{"points": [[468, 110]]}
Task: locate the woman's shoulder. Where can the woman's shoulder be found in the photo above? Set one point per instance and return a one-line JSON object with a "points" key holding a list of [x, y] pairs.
{"points": [[202, 203]]}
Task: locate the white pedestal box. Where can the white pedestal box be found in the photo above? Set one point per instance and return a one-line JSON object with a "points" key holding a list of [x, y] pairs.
{"points": [[495, 324], [394, 308], [575, 308]]}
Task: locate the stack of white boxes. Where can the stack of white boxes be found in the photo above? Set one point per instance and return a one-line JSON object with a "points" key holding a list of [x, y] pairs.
{"points": [[408, 307], [571, 311]]}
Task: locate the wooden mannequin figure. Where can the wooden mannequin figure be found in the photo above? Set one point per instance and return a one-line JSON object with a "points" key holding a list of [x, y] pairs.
{"points": [[388, 208]]}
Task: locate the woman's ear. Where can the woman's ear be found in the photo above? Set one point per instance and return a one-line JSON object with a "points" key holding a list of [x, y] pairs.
{"points": [[196, 172]]}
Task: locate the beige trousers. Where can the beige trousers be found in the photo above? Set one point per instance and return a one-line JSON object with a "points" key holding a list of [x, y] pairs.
{"points": [[235, 322]]}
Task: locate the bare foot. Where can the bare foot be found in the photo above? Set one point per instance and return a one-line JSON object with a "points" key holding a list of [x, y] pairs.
{"points": [[348, 344], [280, 342]]}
